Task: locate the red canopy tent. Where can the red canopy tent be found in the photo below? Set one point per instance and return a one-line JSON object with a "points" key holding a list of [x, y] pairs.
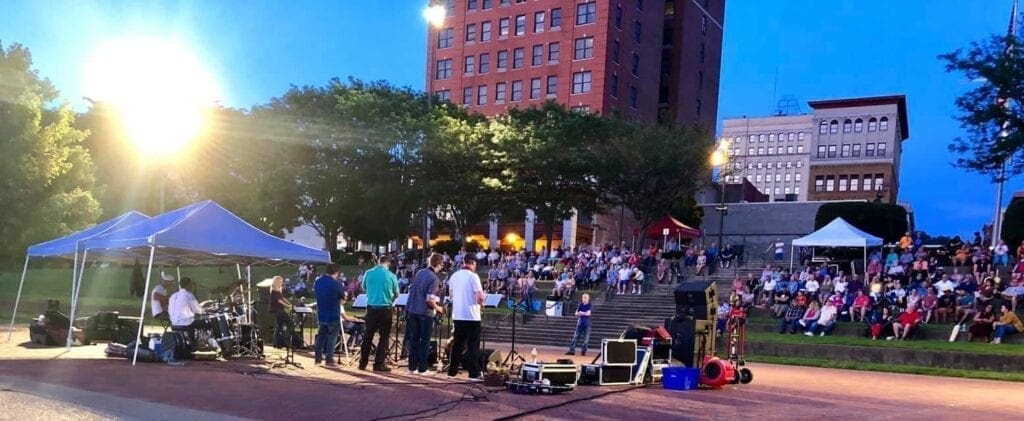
{"points": [[675, 228]]}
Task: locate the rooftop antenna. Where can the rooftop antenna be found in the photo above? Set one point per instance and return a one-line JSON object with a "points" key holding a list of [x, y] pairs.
{"points": [[775, 84], [787, 105]]}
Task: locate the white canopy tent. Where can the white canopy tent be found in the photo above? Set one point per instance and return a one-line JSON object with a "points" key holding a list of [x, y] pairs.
{"points": [[837, 233]]}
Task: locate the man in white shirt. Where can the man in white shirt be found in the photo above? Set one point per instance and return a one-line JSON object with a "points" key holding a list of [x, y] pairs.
{"points": [[183, 306], [625, 273], [158, 298], [944, 284], [467, 295]]}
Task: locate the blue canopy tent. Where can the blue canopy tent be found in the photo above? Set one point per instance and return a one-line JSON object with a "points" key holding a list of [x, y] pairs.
{"points": [[67, 247], [201, 233]]}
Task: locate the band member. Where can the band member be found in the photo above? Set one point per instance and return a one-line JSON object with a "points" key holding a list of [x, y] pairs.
{"points": [[279, 306], [381, 290], [467, 295], [159, 297], [183, 307], [328, 300], [422, 308]]}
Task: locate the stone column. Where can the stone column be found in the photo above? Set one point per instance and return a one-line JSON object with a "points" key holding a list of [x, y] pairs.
{"points": [[569, 231], [492, 233], [528, 235]]}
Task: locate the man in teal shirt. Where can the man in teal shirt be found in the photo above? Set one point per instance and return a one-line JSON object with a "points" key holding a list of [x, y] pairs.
{"points": [[381, 288]]}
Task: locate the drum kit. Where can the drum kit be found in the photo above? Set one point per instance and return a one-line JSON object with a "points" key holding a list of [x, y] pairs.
{"points": [[229, 329]]}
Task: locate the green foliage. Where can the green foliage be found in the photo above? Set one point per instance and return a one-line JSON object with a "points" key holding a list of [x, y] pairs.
{"points": [[652, 169], [47, 174], [993, 128], [880, 219], [1013, 224]]}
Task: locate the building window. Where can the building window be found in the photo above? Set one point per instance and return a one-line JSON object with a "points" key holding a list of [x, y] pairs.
{"points": [[797, 175], [771, 137], [444, 95], [758, 178], [799, 148], [471, 33], [854, 182], [760, 165], [819, 183], [632, 97], [789, 149], [467, 95], [471, 4], [584, 48], [750, 151], [789, 177], [502, 60], [823, 128], [796, 190], [868, 179], [760, 138], [506, 3], [881, 149], [618, 17], [831, 151], [556, 18], [750, 165], [517, 90], [858, 126], [481, 95], [635, 67], [846, 151], [449, 7], [856, 149], [446, 38], [485, 31], [833, 127], [469, 65], [872, 125], [821, 151], [444, 69], [552, 85], [517, 58], [830, 183], [800, 136], [553, 52], [538, 22], [788, 190], [869, 149], [486, 5], [844, 183], [789, 164], [847, 126], [499, 92], [771, 150], [879, 184], [535, 88], [760, 151], [520, 25], [778, 177], [580, 109], [586, 13], [615, 51], [778, 165], [485, 63], [883, 124], [637, 31], [752, 138], [581, 82], [538, 55], [799, 164], [503, 25], [614, 88]]}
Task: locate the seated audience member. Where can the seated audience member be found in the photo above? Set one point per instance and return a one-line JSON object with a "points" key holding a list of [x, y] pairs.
{"points": [[812, 286], [982, 326], [906, 322], [810, 316], [913, 298], [880, 323], [1014, 292], [928, 305], [826, 320], [1008, 324], [964, 308], [791, 318], [723, 315], [946, 306], [986, 292], [860, 307], [782, 299]]}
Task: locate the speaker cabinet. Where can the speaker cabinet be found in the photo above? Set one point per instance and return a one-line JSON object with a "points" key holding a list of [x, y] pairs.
{"points": [[696, 299], [618, 351]]}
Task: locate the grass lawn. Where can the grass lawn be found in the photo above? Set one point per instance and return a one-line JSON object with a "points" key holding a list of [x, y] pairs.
{"points": [[888, 368], [928, 345]]}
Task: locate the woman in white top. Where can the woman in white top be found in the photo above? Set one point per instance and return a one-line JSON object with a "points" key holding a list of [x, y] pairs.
{"points": [[812, 288], [840, 285]]}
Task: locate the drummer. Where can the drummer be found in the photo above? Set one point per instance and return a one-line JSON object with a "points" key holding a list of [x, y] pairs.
{"points": [[183, 307]]}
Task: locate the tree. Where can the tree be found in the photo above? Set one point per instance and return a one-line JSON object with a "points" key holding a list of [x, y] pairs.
{"points": [[47, 174], [550, 156], [1013, 228], [650, 169], [993, 112]]}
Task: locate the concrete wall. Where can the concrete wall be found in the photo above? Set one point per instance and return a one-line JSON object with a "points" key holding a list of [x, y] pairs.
{"points": [[757, 225]]}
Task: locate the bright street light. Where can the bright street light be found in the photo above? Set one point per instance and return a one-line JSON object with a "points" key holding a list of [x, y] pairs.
{"points": [[160, 88], [435, 15]]}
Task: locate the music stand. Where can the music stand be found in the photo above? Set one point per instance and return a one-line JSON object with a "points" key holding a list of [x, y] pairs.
{"points": [[493, 300], [289, 350], [513, 354], [360, 301]]}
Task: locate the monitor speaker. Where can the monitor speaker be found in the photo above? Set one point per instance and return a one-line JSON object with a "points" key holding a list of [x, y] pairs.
{"points": [[683, 331], [696, 299]]}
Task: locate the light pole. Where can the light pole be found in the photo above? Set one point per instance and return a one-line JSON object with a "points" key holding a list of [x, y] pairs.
{"points": [[434, 15], [720, 158]]}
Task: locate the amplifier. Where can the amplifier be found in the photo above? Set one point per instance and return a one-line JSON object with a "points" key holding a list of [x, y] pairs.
{"points": [[556, 374], [618, 352], [615, 374], [590, 375], [661, 350]]}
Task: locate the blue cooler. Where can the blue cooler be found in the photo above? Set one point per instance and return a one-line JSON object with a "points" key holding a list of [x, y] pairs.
{"points": [[680, 378]]}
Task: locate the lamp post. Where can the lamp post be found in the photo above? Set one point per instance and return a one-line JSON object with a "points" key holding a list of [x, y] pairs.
{"points": [[434, 14], [720, 158]]}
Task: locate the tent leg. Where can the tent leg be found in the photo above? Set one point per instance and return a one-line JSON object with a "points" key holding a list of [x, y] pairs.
{"points": [[76, 287], [17, 300], [142, 312], [178, 272], [248, 291], [238, 267], [866, 264], [792, 251]]}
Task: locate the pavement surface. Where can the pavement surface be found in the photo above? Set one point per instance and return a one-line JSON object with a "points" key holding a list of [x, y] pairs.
{"points": [[83, 384]]}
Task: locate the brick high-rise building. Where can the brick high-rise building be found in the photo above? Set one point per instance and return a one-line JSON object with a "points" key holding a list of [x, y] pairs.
{"points": [[642, 59]]}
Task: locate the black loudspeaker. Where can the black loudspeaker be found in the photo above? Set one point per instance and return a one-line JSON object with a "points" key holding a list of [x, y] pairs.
{"points": [[684, 332], [618, 351], [590, 374], [696, 299]]}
